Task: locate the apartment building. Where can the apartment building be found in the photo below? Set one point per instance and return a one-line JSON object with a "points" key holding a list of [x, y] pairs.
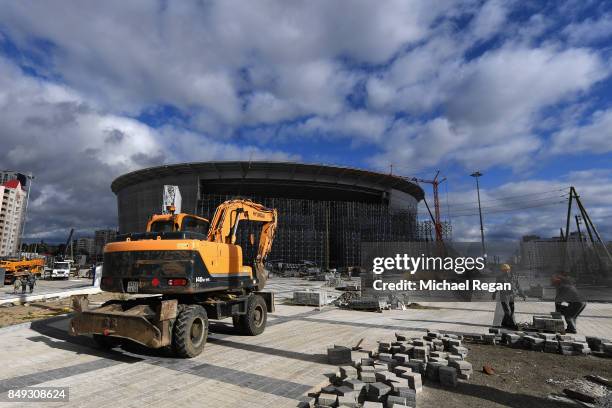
{"points": [[12, 212]]}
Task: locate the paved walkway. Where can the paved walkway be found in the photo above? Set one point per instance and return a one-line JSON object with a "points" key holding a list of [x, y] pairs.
{"points": [[46, 287], [270, 370]]}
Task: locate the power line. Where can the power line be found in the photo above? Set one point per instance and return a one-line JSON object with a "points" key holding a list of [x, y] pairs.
{"points": [[513, 196], [501, 210], [508, 203]]}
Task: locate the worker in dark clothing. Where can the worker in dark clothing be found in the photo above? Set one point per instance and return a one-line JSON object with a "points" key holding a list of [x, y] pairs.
{"points": [[567, 293], [506, 297], [31, 282]]}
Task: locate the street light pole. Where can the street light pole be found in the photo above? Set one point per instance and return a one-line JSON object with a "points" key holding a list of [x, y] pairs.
{"points": [[476, 175], [30, 177]]}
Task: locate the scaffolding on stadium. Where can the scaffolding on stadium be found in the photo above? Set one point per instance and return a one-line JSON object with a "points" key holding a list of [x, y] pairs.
{"points": [[326, 233]]}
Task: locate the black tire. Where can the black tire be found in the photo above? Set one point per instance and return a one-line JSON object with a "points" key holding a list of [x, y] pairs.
{"points": [[106, 342], [253, 322], [190, 331]]}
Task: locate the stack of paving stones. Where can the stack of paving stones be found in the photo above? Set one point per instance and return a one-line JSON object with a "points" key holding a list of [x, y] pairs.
{"points": [[536, 339], [391, 375]]}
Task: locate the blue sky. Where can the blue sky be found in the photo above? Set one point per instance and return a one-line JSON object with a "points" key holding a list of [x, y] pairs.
{"points": [[520, 90]]}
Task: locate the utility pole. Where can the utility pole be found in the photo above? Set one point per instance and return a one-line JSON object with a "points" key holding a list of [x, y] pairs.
{"points": [[476, 175], [435, 182], [30, 177]]}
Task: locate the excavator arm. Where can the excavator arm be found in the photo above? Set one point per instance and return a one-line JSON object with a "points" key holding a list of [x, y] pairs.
{"points": [[225, 222]]}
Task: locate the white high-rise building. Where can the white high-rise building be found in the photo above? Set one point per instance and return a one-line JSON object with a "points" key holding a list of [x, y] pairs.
{"points": [[12, 212]]}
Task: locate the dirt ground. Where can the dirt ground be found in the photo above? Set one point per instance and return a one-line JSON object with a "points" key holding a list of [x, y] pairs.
{"points": [[522, 379], [31, 311]]}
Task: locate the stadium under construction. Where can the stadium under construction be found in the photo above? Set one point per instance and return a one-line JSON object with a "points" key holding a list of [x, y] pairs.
{"points": [[325, 212]]}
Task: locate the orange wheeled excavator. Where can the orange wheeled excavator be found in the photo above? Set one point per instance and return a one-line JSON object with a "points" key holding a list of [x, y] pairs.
{"points": [[195, 276]]}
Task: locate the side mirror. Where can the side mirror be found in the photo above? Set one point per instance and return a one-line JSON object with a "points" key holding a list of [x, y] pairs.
{"points": [[252, 238]]}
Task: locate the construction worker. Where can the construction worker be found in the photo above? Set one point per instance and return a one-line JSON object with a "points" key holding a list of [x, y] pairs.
{"points": [[567, 293], [506, 297], [31, 282], [16, 285]]}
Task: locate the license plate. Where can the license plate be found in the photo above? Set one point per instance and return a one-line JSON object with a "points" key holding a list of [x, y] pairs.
{"points": [[132, 286]]}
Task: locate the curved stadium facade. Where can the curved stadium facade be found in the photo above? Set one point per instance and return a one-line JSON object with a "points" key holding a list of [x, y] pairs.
{"points": [[325, 212]]}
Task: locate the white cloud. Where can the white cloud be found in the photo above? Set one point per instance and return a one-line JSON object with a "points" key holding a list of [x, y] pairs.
{"points": [[404, 77], [590, 30], [75, 150], [492, 105], [594, 137], [535, 206], [489, 19]]}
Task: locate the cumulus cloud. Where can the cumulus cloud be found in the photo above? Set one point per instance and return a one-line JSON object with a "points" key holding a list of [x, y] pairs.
{"points": [[466, 83], [74, 149], [493, 104], [594, 136], [590, 30]]}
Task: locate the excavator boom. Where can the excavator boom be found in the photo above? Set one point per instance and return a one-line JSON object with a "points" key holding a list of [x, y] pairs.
{"points": [[225, 222]]}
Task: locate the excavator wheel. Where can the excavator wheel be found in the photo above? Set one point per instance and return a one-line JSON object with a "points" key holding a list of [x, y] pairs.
{"points": [[190, 331], [253, 322]]}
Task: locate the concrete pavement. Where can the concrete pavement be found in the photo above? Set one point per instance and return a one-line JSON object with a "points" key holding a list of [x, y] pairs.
{"points": [[270, 370]]}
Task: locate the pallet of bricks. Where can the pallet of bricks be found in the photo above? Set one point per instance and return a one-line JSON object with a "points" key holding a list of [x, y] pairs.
{"points": [[548, 335], [391, 375]]}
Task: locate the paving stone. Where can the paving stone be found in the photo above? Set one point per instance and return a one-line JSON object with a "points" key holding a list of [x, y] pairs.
{"points": [[339, 355], [448, 376], [385, 357], [407, 392], [344, 390], [406, 348], [327, 399], [307, 402], [348, 401], [462, 351], [418, 343], [378, 389], [367, 377], [432, 371], [354, 384], [419, 352], [371, 404], [383, 376], [397, 382], [401, 369], [415, 381], [367, 361], [401, 358], [380, 367], [348, 372], [418, 366], [454, 357], [438, 360], [367, 369], [394, 400]]}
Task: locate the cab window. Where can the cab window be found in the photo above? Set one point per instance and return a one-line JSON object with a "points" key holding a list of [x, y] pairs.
{"points": [[162, 226], [192, 224]]}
